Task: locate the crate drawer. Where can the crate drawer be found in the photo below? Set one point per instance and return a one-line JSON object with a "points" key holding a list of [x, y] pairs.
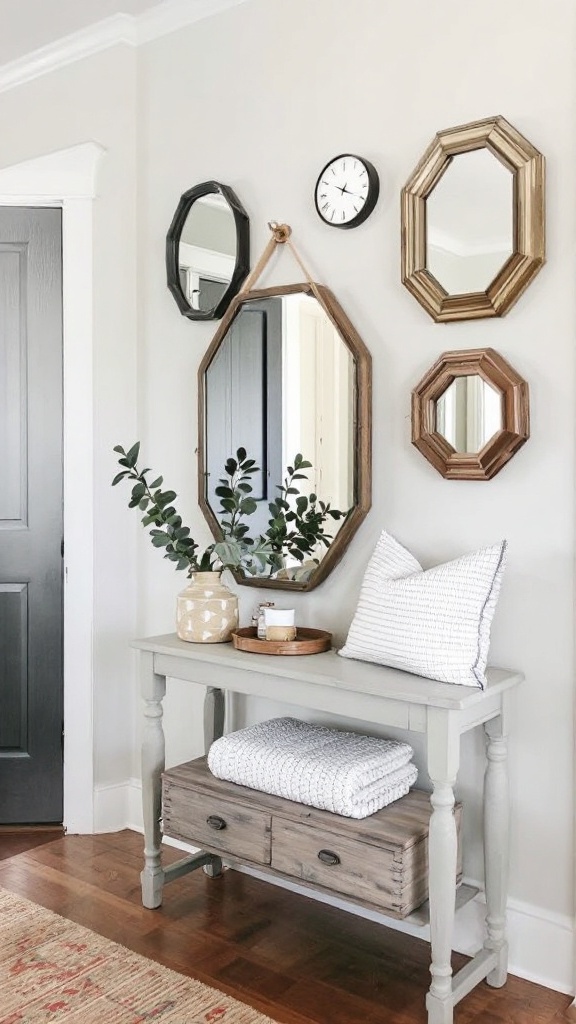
{"points": [[372, 874], [220, 825]]}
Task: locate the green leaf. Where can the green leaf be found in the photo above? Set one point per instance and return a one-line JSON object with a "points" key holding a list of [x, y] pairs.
{"points": [[292, 490], [119, 448], [183, 563], [119, 477], [241, 454], [157, 483], [205, 563], [245, 488], [248, 506], [164, 498], [144, 503], [305, 465], [124, 462], [224, 492], [160, 540], [228, 504], [132, 455], [231, 466]]}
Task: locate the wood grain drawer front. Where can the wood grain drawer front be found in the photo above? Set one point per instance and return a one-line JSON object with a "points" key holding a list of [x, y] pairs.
{"points": [[217, 824], [367, 873]]}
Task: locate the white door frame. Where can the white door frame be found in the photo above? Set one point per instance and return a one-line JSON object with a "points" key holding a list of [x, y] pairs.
{"points": [[67, 179]]}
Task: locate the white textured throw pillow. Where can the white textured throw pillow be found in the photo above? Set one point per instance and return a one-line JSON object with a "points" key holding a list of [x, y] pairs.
{"points": [[434, 623]]}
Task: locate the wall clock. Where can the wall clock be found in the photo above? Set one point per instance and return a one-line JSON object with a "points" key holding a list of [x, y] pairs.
{"points": [[346, 191]]}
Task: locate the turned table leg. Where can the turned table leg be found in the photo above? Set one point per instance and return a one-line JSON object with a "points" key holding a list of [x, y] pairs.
{"points": [[213, 729], [153, 688], [443, 761], [213, 716], [496, 843]]}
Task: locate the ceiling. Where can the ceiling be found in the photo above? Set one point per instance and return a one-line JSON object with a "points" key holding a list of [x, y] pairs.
{"points": [[27, 25]]}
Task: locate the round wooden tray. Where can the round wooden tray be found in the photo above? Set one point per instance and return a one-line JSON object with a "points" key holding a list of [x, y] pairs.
{"points": [[308, 641]]}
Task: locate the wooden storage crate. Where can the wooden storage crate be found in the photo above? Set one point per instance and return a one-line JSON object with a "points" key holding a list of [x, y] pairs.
{"points": [[379, 862]]}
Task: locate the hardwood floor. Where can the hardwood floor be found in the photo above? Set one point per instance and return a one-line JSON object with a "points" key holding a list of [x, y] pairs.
{"points": [[297, 960]]}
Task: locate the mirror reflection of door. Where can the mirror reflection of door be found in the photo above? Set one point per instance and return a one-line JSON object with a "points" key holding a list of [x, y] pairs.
{"points": [[244, 403], [469, 222], [207, 252], [469, 413], [282, 382]]}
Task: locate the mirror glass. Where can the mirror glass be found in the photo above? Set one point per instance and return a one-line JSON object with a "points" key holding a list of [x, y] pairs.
{"points": [[470, 229], [207, 252], [469, 413], [282, 383]]}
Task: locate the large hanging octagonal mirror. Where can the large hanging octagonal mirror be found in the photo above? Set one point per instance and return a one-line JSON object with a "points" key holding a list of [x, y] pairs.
{"points": [[473, 221], [288, 379]]}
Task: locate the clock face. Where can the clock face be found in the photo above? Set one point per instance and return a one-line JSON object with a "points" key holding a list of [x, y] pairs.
{"points": [[346, 191]]}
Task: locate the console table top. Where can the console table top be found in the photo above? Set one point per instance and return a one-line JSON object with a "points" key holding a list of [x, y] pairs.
{"points": [[330, 670]]}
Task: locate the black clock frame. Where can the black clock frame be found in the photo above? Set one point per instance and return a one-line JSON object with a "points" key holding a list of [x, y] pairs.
{"points": [[371, 198], [242, 265]]}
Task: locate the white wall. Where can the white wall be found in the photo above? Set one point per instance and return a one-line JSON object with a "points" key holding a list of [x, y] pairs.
{"points": [[259, 98], [95, 100]]}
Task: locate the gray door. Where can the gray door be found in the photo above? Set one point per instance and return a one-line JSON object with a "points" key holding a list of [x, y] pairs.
{"points": [[244, 403], [31, 616]]}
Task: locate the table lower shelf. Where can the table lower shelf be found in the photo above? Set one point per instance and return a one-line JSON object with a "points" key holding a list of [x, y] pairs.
{"points": [[379, 862]]}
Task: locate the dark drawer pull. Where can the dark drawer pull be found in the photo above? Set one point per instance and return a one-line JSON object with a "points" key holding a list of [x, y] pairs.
{"points": [[215, 822], [327, 857]]}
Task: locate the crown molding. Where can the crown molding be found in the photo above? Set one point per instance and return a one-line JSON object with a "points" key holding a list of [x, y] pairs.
{"points": [[170, 15], [117, 30]]}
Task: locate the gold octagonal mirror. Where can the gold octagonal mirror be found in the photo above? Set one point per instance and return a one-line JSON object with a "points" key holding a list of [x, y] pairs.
{"points": [[470, 414], [473, 221], [287, 380]]}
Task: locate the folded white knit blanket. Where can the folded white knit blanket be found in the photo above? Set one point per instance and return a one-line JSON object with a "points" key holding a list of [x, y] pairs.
{"points": [[336, 771]]}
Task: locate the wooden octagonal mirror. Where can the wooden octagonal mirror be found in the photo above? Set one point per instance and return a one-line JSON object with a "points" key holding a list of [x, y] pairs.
{"points": [[470, 414], [287, 380], [473, 221]]}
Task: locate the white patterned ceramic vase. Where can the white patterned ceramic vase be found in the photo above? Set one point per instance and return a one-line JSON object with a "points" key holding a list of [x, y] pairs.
{"points": [[207, 611]]}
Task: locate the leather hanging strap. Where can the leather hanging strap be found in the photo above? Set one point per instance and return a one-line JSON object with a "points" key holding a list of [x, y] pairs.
{"points": [[280, 236]]}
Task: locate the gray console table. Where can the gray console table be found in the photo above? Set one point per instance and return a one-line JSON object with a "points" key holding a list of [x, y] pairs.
{"points": [[370, 693]]}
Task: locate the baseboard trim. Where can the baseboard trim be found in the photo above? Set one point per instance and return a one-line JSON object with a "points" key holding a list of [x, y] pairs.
{"points": [[540, 941]]}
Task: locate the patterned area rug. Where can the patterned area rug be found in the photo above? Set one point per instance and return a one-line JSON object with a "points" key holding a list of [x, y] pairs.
{"points": [[53, 970]]}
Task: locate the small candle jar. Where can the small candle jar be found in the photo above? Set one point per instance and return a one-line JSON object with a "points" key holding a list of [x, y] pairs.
{"points": [[280, 623]]}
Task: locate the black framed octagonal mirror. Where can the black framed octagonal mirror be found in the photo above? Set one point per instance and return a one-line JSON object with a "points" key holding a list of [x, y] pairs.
{"points": [[207, 250], [287, 380]]}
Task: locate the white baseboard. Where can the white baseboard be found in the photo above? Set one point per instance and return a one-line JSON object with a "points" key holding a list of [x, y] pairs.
{"points": [[111, 806], [540, 942]]}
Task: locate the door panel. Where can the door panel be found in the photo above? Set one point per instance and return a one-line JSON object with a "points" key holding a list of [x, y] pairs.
{"points": [[31, 617], [244, 404], [12, 385]]}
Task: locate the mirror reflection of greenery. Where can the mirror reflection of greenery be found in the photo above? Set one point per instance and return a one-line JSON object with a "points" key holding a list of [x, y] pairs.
{"points": [[290, 547]]}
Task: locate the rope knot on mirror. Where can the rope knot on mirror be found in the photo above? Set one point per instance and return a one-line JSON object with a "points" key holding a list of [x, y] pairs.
{"points": [[280, 232]]}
